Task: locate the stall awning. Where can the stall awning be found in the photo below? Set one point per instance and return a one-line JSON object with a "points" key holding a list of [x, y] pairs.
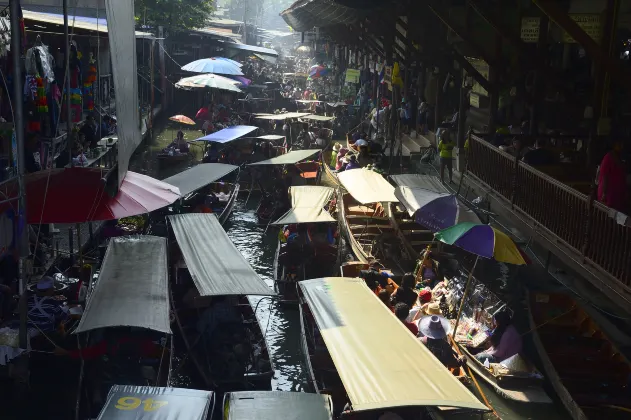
{"points": [[367, 186], [166, 403], [307, 206], [290, 158], [304, 15], [132, 289], [215, 264], [199, 176], [229, 134], [281, 117], [81, 22], [267, 58], [271, 137], [268, 404], [251, 48], [358, 330], [318, 118]]}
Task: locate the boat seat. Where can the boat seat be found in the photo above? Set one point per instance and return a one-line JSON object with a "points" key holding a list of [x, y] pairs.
{"points": [[309, 175]]}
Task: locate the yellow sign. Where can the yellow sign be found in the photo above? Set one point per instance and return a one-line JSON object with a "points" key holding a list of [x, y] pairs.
{"points": [[132, 403], [530, 29], [474, 100], [589, 23], [352, 76]]}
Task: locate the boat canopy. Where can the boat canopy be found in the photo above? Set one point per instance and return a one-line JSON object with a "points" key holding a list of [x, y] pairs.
{"points": [[367, 186], [132, 289], [358, 330], [307, 206], [290, 158], [229, 134], [215, 264], [199, 176], [271, 137], [318, 118], [272, 405], [281, 117], [308, 101], [336, 104], [156, 403]]}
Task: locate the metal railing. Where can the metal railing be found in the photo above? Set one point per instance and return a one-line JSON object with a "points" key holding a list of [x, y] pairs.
{"points": [[581, 223]]}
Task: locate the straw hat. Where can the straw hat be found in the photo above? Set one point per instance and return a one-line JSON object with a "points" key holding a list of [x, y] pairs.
{"points": [[434, 326], [337, 147], [433, 309]]}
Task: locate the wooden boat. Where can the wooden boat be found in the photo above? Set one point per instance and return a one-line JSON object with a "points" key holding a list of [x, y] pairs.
{"points": [[232, 353], [313, 253], [224, 196], [523, 385], [362, 224], [589, 374], [330, 370], [165, 159], [125, 340]]}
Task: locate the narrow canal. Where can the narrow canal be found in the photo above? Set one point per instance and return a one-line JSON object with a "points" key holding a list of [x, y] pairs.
{"points": [[282, 325]]}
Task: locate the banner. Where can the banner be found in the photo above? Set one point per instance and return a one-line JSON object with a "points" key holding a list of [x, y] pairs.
{"points": [[352, 76]]}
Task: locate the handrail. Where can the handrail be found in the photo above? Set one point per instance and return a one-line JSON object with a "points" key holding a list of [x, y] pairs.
{"points": [[581, 223]]}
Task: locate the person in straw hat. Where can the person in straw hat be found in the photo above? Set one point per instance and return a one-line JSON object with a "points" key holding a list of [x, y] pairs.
{"points": [[336, 149], [434, 330]]}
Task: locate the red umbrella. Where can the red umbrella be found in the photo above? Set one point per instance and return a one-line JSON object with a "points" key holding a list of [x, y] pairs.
{"points": [[77, 195]]}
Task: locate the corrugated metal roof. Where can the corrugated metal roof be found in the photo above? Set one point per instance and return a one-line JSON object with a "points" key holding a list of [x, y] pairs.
{"points": [[80, 22], [304, 15]]}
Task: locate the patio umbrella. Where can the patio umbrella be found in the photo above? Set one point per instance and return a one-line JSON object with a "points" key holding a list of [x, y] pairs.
{"points": [[435, 210], [483, 241], [183, 119], [77, 195], [244, 81], [211, 81], [213, 65], [229, 60], [317, 71]]}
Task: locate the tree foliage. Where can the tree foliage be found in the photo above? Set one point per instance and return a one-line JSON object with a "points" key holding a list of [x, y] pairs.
{"points": [[175, 15]]}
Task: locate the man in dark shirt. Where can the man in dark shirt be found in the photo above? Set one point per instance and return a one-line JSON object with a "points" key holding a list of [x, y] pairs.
{"points": [[89, 131], [540, 156]]}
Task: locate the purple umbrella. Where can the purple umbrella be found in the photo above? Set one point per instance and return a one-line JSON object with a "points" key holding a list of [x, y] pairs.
{"points": [[244, 81]]}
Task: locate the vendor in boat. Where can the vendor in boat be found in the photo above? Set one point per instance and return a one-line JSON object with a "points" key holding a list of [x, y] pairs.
{"points": [[434, 330], [364, 159], [406, 293], [401, 311], [428, 272], [45, 313], [180, 143], [505, 340]]}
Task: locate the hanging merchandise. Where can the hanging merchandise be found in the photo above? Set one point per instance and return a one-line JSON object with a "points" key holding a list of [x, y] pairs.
{"points": [[76, 97], [89, 84], [40, 101], [39, 61]]}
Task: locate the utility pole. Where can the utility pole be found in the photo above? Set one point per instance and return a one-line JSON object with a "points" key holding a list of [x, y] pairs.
{"points": [[245, 21], [69, 135], [21, 227]]}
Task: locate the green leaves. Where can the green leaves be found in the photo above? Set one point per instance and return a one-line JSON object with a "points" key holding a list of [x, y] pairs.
{"points": [[175, 15]]}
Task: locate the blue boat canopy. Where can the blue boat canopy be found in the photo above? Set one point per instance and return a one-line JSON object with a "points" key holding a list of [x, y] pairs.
{"points": [[150, 403], [229, 134]]}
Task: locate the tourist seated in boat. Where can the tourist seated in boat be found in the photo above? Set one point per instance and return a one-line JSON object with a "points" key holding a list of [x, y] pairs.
{"points": [[352, 163], [364, 159], [377, 279], [384, 296], [401, 311], [429, 272], [434, 330], [340, 159], [334, 153], [203, 203], [505, 340], [406, 293]]}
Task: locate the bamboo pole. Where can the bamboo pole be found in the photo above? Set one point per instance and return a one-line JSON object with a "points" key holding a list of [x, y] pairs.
{"points": [[464, 297]]}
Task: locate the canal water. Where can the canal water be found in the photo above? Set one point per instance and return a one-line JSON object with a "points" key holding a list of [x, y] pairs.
{"points": [[282, 325]]}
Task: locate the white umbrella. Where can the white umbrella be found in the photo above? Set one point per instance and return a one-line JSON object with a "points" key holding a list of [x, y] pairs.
{"points": [[211, 81], [213, 65]]}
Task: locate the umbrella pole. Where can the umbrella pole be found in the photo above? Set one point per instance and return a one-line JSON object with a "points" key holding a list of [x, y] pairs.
{"points": [[464, 297]]}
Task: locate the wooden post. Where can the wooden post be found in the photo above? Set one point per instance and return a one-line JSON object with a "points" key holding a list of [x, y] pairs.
{"points": [[542, 43]]}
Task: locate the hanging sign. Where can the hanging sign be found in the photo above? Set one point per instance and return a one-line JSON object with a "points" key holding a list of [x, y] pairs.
{"points": [[530, 29], [352, 76], [589, 23]]}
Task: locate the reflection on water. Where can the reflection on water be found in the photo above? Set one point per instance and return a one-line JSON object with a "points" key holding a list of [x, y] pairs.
{"points": [[282, 325]]}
